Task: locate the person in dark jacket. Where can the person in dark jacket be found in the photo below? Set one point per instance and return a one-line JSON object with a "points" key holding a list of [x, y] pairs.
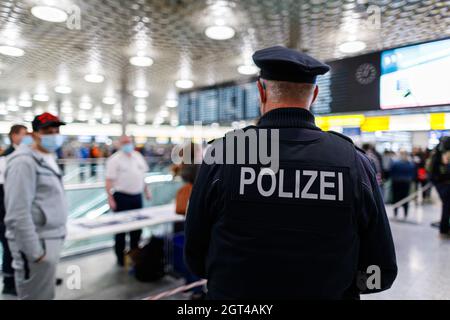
{"points": [[439, 169], [403, 174], [308, 221], [16, 134]]}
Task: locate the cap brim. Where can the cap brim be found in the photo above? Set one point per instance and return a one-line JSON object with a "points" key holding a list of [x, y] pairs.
{"points": [[52, 124]]}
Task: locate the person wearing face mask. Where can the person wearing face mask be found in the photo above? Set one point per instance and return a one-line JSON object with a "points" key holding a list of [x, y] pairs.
{"points": [[17, 135], [125, 173], [36, 210]]}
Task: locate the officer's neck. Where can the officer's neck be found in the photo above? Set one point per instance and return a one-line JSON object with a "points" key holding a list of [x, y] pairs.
{"points": [[274, 106]]}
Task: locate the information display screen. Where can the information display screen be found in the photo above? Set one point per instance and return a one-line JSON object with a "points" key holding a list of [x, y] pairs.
{"points": [[220, 104], [416, 76], [352, 85]]}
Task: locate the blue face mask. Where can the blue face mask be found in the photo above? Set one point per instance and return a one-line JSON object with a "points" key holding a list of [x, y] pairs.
{"points": [[52, 142], [128, 148], [27, 141]]}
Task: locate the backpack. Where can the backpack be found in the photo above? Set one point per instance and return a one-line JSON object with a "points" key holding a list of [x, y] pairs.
{"points": [[149, 261]]}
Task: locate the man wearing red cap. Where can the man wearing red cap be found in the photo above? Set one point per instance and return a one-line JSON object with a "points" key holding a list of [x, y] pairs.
{"points": [[36, 210]]}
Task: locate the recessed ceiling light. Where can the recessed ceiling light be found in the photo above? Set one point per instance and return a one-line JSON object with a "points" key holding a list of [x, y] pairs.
{"points": [[63, 89], [50, 14], [68, 119], [352, 46], [41, 97], [141, 61], [109, 100], [11, 51], [94, 78], [25, 103], [140, 108], [85, 105], [67, 109], [13, 107], [106, 120], [117, 112], [248, 69], [172, 103], [220, 32], [184, 84], [141, 93]]}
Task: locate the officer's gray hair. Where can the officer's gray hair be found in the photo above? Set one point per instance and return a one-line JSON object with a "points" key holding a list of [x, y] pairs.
{"points": [[279, 91]]}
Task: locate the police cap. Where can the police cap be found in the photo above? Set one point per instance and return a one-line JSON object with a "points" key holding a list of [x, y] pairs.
{"points": [[284, 64]]}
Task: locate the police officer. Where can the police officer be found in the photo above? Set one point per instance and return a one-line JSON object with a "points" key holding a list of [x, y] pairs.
{"points": [[310, 223]]}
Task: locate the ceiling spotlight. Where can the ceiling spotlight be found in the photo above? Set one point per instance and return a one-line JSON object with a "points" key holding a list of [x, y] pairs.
{"points": [[117, 112], [140, 108], [25, 103], [172, 103], [141, 93], [63, 89], [94, 78], [106, 120], [11, 51], [109, 100], [184, 84], [13, 107], [41, 97], [220, 32], [85, 105], [68, 119], [50, 14], [164, 113], [352, 46], [248, 69], [67, 109], [141, 61]]}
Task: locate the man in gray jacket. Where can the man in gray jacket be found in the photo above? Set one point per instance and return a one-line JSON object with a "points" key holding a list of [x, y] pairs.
{"points": [[36, 210]]}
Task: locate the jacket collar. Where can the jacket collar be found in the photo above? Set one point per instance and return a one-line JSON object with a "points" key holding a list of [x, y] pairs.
{"points": [[288, 118]]}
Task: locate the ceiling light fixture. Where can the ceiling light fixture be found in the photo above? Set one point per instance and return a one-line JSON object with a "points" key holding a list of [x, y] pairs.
{"points": [[220, 33], [85, 105], [352, 46], [140, 93], [140, 108], [13, 108], [63, 89], [184, 84], [141, 61], [248, 69], [109, 100], [172, 103], [164, 113], [94, 78], [49, 13], [25, 103], [41, 97], [11, 51]]}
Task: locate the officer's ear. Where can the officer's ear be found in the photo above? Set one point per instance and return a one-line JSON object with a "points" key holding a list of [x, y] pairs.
{"points": [[262, 91], [316, 94]]}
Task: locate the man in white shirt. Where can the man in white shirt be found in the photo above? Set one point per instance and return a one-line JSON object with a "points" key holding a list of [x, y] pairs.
{"points": [[125, 184]]}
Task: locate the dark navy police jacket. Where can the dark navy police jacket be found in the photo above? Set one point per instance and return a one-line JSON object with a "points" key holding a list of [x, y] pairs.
{"points": [[314, 230]]}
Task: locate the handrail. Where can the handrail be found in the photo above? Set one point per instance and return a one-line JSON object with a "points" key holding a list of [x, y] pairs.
{"points": [[412, 196], [151, 179]]}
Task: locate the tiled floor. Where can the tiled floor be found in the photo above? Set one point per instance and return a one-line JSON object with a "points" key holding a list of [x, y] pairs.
{"points": [[423, 257], [423, 260]]}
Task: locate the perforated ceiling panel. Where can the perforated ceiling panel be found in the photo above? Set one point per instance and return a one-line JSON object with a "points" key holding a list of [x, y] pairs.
{"points": [[171, 32]]}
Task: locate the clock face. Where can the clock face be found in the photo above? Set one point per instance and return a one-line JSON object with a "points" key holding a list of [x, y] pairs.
{"points": [[366, 73]]}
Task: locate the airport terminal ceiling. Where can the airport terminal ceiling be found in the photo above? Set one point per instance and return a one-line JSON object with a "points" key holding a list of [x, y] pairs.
{"points": [[101, 37]]}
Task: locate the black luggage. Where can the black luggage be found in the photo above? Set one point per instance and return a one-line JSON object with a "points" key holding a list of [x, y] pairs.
{"points": [[149, 261]]}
